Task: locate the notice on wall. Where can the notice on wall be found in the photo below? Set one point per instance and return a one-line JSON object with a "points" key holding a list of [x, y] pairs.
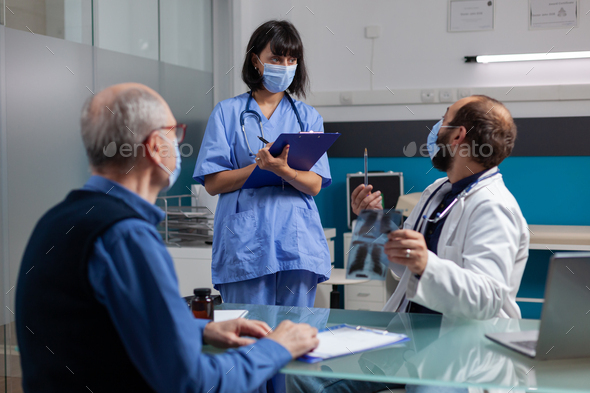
{"points": [[551, 14], [471, 15]]}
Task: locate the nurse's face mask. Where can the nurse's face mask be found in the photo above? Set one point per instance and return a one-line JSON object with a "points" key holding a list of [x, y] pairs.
{"points": [[277, 78]]}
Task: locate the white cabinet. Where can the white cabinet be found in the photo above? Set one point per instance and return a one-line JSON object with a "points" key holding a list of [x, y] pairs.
{"points": [[193, 264], [193, 267], [371, 295]]}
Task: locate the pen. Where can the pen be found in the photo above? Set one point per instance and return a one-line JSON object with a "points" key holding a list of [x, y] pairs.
{"points": [[263, 140], [378, 331], [366, 168]]}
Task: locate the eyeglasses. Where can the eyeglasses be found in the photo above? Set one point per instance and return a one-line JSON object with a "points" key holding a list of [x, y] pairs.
{"points": [[178, 129]]}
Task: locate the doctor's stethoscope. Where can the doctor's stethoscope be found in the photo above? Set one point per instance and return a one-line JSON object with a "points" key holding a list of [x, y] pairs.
{"points": [[444, 213], [255, 114]]}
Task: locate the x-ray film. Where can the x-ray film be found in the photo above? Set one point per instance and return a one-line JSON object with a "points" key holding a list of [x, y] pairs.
{"points": [[366, 258]]}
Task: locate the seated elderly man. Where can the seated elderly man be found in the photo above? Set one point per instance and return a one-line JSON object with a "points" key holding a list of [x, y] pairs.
{"points": [[100, 311], [465, 244]]}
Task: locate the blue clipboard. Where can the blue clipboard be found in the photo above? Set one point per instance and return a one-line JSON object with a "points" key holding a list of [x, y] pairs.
{"points": [[306, 148], [395, 339]]}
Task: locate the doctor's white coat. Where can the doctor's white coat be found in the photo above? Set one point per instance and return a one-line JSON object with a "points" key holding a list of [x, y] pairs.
{"points": [[481, 255]]}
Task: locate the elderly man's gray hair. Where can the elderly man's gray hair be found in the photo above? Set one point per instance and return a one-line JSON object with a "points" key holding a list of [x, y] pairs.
{"points": [[113, 131]]}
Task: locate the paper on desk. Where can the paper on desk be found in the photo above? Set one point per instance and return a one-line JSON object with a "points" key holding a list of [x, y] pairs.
{"points": [[344, 340], [226, 315]]}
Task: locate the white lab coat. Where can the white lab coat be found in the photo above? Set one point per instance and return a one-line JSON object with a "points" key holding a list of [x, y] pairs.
{"points": [[482, 252]]}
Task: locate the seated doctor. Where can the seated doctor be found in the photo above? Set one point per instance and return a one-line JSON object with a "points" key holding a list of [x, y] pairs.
{"points": [[465, 244]]}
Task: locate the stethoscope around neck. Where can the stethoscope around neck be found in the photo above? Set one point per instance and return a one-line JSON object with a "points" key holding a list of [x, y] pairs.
{"points": [[249, 111], [444, 213]]}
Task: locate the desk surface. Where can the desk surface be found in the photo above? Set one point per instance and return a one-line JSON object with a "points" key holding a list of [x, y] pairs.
{"points": [[441, 351], [560, 237]]}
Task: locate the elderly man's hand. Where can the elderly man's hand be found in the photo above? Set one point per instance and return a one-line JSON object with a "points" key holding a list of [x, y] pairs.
{"points": [[407, 248], [362, 198], [228, 334], [297, 338]]}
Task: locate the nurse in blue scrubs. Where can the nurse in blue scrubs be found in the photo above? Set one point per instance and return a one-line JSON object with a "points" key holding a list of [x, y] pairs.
{"points": [[268, 245]]}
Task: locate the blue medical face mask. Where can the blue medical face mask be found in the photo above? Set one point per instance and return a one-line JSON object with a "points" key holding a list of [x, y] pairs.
{"points": [[277, 78], [431, 145], [174, 175]]}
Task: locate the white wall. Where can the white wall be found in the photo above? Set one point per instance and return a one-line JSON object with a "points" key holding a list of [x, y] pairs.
{"points": [[185, 33], [129, 26], [78, 21], [132, 27], [415, 51]]}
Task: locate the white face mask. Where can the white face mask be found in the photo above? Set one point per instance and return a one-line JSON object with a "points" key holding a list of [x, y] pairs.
{"points": [[176, 172]]}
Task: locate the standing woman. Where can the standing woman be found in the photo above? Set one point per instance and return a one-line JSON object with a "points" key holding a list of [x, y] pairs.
{"points": [[268, 243]]}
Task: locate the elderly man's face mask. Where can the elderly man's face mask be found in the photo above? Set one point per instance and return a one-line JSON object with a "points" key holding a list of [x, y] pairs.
{"points": [[176, 172]]}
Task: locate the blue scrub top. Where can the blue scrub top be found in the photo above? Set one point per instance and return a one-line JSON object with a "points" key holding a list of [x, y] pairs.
{"points": [[263, 230]]}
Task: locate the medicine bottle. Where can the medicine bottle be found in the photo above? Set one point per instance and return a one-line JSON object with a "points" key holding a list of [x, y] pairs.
{"points": [[202, 304]]}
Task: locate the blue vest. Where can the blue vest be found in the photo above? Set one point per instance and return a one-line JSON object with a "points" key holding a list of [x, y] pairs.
{"points": [[67, 340]]}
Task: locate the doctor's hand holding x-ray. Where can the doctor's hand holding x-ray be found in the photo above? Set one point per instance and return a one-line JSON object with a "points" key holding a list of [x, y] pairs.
{"points": [[400, 241]]}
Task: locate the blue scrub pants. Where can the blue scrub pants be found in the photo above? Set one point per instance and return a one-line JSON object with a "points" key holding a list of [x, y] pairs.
{"points": [[286, 288]]}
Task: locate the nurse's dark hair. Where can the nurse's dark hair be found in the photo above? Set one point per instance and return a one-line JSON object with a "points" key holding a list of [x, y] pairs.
{"points": [[284, 40], [490, 129]]}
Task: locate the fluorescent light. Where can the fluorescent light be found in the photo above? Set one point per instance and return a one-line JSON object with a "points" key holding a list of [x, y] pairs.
{"points": [[528, 57]]}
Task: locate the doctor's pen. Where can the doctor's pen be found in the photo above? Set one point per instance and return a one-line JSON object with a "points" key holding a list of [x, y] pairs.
{"points": [[366, 168]]}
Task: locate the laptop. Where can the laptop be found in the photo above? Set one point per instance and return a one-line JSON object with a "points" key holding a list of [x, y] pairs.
{"points": [[565, 319]]}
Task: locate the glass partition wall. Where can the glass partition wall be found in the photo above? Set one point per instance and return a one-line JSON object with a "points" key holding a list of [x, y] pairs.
{"points": [[54, 54]]}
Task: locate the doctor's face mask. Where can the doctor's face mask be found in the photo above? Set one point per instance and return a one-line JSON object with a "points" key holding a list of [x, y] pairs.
{"points": [[443, 159], [438, 147]]}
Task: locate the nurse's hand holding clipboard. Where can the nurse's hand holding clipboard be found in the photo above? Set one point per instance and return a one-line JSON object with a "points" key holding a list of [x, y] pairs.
{"points": [[277, 165], [305, 181]]}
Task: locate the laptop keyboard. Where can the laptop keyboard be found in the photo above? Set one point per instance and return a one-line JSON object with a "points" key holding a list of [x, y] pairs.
{"points": [[532, 344]]}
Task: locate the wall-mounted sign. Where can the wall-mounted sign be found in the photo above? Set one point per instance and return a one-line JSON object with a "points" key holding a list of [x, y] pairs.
{"points": [[551, 14], [471, 15]]}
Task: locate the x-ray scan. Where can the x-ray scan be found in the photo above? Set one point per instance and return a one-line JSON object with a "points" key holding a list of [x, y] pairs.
{"points": [[366, 258]]}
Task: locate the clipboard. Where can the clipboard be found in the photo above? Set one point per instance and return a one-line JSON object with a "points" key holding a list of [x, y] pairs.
{"points": [[342, 340], [306, 148]]}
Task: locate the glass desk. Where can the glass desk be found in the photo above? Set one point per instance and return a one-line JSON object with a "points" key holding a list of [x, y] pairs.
{"points": [[442, 351]]}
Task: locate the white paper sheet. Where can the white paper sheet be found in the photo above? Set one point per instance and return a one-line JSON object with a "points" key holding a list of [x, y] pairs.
{"points": [[226, 315]]}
